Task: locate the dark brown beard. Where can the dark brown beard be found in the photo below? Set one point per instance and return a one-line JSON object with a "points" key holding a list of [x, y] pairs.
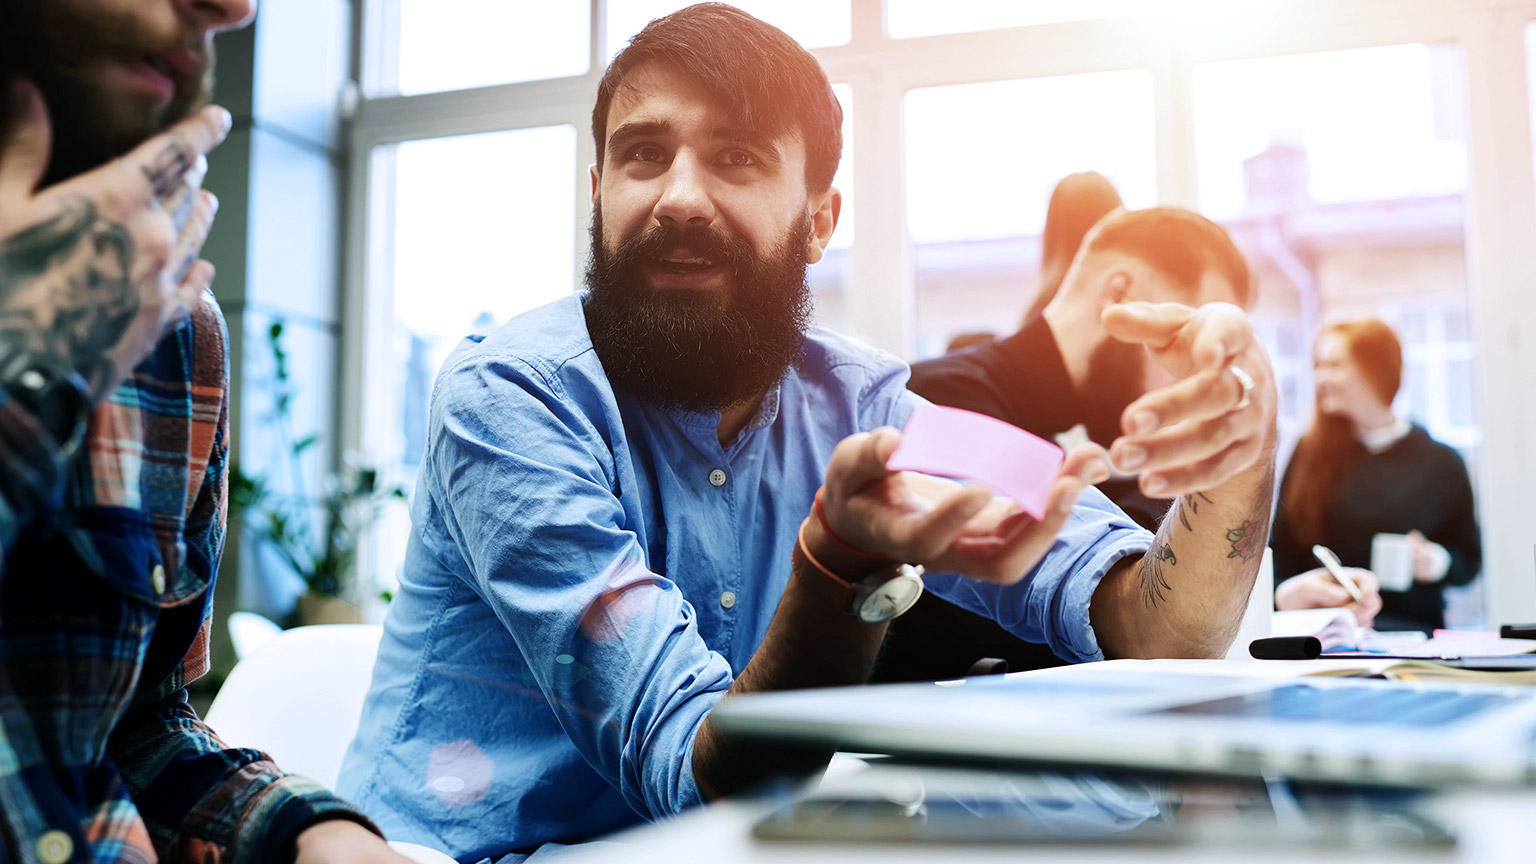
{"points": [[55, 46], [698, 351]]}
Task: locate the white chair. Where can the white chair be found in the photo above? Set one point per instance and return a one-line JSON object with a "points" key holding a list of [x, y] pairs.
{"points": [[299, 698], [249, 631]]}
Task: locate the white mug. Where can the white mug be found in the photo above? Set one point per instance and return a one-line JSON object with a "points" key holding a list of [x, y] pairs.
{"points": [[1392, 561]]}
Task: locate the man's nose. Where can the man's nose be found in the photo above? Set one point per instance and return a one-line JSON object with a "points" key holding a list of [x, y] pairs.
{"points": [[685, 197], [216, 16]]}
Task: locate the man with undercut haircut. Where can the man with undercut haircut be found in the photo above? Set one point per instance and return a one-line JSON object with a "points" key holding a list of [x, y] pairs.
{"points": [[114, 439], [1065, 377], [641, 500]]}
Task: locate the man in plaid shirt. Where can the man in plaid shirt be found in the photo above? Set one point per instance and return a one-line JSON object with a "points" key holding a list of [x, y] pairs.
{"points": [[113, 448]]}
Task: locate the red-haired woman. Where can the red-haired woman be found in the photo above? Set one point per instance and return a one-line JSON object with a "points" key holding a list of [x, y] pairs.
{"points": [[1361, 471]]}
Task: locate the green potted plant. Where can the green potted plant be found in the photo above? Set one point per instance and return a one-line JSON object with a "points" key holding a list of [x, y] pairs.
{"points": [[315, 535]]}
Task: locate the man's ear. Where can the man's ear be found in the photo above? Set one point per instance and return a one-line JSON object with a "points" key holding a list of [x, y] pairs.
{"points": [[597, 182], [825, 208], [1115, 287]]}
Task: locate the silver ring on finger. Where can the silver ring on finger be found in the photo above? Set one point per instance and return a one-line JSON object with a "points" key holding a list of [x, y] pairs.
{"points": [[1245, 383]]}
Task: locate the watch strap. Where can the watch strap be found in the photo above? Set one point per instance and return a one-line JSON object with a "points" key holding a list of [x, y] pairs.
{"points": [[55, 396]]}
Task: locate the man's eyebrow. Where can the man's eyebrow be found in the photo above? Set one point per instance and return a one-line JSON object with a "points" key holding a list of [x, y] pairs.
{"points": [[766, 143], [627, 133]]}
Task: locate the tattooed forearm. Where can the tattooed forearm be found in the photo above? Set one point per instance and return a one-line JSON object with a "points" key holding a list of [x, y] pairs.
{"points": [[66, 290], [1154, 582], [1191, 504], [1248, 539]]}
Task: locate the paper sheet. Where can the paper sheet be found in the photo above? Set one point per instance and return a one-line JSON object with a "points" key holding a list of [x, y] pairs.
{"points": [[956, 443]]}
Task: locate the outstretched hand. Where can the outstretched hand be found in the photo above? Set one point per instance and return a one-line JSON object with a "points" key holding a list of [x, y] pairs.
{"points": [[1205, 428], [944, 525], [95, 269]]}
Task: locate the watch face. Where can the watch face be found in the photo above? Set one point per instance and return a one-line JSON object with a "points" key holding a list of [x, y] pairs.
{"points": [[891, 598]]}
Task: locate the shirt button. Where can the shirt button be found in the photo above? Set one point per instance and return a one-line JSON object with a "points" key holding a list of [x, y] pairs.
{"points": [[157, 579], [717, 477], [727, 600], [55, 847]]}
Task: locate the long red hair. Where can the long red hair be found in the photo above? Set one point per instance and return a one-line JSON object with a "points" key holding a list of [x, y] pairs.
{"points": [[1325, 450]]}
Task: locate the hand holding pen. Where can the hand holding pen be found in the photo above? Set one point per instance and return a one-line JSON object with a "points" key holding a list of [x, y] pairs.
{"points": [[1321, 588], [1336, 569]]}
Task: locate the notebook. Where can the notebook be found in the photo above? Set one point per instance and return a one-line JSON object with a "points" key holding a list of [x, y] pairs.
{"points": [[1139, 714]]}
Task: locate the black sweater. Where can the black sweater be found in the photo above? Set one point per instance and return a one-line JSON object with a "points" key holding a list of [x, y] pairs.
{"points": [[1417, 483]]}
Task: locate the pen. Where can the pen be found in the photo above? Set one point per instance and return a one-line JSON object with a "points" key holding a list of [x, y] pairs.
{"points": [[1331, 561]]}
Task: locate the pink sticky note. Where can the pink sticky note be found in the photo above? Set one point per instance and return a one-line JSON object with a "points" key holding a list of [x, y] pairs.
{"points": [[956, 443]]}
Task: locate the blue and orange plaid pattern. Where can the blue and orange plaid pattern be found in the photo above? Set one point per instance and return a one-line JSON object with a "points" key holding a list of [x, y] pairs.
{"points": [[105, 599]]}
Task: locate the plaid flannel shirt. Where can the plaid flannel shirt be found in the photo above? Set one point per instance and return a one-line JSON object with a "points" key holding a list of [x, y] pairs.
{"points": [[105, 596]]}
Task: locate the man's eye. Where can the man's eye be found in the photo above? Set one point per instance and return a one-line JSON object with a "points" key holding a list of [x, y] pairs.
{"points": [[738, 158], [645, 153]]}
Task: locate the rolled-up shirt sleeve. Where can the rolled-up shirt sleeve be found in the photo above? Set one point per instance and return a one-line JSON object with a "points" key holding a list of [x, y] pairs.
{"points": [[1051, 603], [528, 487]]}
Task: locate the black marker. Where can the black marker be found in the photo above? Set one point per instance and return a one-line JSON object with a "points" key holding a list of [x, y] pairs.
{"points": [[1286, 648]]}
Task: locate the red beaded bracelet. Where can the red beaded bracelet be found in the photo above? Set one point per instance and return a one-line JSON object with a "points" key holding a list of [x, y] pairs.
{"points": [[822, 518], [806, 551]]}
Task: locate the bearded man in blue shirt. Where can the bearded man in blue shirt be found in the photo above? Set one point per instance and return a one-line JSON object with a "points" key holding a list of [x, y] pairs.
{"points": [[617, 521]]}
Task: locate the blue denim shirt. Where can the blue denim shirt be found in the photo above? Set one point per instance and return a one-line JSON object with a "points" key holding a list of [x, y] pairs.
{"points": [[587, 574]]}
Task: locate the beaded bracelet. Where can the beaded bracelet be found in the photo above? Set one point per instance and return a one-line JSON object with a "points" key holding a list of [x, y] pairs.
{"points": [[822, 518]]}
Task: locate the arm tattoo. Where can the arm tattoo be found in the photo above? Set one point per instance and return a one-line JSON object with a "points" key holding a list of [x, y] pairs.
{"points": [[66, 290], [1154, 583], [1249, 538], [1191, 504]]}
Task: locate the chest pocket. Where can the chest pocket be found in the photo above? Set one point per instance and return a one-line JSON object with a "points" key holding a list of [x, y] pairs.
{"points": [[117, 546]]}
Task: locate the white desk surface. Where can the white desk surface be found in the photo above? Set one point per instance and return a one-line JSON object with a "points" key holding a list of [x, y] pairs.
{"points": [[1491, 826]]}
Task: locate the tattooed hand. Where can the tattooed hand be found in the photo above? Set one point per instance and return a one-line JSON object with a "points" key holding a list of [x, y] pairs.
{"points": [[1202, 430], [94, 270]]}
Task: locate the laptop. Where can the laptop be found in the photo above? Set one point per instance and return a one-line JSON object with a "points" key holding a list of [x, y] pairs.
{"points": [[1142, 716]]}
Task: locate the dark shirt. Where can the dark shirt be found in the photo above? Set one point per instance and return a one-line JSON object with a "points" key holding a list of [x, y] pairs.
{"points": [[1023, 380], [1415, 484]]}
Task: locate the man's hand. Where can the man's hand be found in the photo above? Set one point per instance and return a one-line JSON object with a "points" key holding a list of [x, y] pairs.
{"points": [[1317, 589], [342, 841], [94, 270], [1207, 439], [944, 525], [1191, 436]]}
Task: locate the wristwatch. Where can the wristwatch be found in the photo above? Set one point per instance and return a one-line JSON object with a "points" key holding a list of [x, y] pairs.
{"points": [[56, 397], [881, 596]]}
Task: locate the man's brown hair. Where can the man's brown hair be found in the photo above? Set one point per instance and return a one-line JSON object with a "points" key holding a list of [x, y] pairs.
{"points": [[1180, 244], [762, 76]]}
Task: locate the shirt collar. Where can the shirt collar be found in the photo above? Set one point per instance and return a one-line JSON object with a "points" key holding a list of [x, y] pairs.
{"points": [[1377, 440]]}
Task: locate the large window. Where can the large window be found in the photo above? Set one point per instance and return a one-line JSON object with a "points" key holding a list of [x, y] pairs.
{"points": [[912, 18], [1358, 155], [453, 44], [981, 160], [478, 238], [1341, 175], [812, 23]]}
